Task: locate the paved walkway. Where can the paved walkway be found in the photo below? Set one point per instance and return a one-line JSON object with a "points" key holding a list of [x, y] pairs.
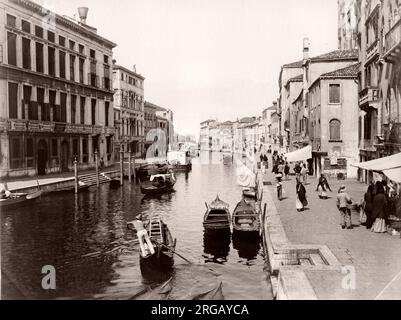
{"points": [[375, 257]]}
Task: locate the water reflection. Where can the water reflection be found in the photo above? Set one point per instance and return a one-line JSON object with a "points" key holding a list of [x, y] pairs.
{"points": [[247, 244], [216, 245]]}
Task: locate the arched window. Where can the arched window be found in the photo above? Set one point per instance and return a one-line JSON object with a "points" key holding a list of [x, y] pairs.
{"points": [[335, 129]]}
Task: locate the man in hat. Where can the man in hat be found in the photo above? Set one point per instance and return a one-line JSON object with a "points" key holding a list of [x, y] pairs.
{"points": [[343, 200], [142, 235]]}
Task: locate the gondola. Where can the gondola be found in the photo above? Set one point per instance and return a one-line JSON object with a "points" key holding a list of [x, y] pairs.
{"points": [[162, 260], [217, 215], [250, 193], [19, 198], [158, 184], [115, 183], [246, 216]]}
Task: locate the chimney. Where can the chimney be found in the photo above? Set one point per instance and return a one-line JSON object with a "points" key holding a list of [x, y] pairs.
{"points": [[83, 13], [134, 68], [306, 49]]}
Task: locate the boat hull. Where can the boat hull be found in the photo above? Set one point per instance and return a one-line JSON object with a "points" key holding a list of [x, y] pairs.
{"points": [[181, 167]]}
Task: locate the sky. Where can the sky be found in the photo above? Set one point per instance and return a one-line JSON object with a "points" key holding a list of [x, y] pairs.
{"points": [[204, 59]]}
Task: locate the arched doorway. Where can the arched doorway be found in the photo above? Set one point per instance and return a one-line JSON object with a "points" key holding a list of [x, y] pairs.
{"points": [[42, 157], [64, 156]]}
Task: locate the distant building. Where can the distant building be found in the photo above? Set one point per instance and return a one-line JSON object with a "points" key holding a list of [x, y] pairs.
{"points": [[129, 111], [347, 24], [55, 84], [333, 99], [205, 139]]}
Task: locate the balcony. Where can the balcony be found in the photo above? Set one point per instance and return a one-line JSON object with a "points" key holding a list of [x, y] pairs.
{"points": [[392, 53], [373, 51], [369, 97]]}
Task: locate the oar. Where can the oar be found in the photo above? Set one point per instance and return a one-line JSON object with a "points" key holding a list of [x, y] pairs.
{"points": [[161, 244]]}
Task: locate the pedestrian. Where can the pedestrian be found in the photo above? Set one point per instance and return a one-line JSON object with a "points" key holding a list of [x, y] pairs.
{"points": [[279, 186], [142, 235], [301, 201], [379, 211], [261, 157], [286, 170], [304, 173], [368, 205], [297, 170], [280, 168], [321, 187], [265, 161], [343, 201]]}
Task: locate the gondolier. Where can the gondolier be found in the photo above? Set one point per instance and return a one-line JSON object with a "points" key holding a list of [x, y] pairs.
{"points": [[142, 234]]}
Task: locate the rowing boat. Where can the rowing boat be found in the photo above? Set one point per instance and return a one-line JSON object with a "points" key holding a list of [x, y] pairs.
{"points": [[158, 184], [246, 216], [19, 198], [217, 215]]}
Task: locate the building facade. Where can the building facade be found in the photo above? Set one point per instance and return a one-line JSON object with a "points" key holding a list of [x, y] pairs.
{"points": [[56, 93], [379, 43], [347, 24], [333, 115], [205, 139], [129, 111]]}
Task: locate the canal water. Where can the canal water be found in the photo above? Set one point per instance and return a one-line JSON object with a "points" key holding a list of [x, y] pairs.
{"points": [[85, 238]]}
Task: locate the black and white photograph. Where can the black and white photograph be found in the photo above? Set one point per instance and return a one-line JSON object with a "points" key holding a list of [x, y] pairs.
{"points": [[200, 150]]}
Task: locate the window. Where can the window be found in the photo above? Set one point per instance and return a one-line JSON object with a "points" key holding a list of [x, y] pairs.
{"points": [[51, 61], [50, 36], [32, 105], [38, 31], [12, 100], [62, 64], [56, 109], [12, 48], [72, 45], [82, 110], [93, 112], [81, 70], [72, 67], [39, 57], [106, 59], [122, 76], [45, 111], [29, 153], [335, 129], [15, 152], [334, 93], [81, 49], [92, 54], [61, 41], [106, 113], [367, 126], [26, 26], [63, 107], [73, 108], [54, 148], [26, 53], [75, 147], [84, 150], [11, 21]]}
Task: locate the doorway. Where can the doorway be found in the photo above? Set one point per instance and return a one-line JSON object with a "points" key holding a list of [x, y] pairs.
{"points": [[42, 157], [64, 156]]}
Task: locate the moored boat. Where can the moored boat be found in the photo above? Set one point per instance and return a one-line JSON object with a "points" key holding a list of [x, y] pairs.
{"points": [[217, 215], [19, 198], [250, 192], [147, 170], [179, 161], [158, 184], [246, 216]]}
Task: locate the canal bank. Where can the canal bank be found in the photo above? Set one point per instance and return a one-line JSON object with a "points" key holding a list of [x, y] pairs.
{"points": [[311, 257]]}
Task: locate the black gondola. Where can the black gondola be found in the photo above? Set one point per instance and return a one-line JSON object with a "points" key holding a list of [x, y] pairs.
{"points": [[158, 184], [162, 261], [147, 170]]}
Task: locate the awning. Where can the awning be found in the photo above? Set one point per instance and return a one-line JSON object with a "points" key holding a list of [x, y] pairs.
{"points": [[381, 164], [393, 174], [299, 155]]}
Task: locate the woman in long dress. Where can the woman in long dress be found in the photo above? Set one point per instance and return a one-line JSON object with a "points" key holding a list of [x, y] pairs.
{"points": [[321, 187], [368, 205], [379, 211], [301, 201]]}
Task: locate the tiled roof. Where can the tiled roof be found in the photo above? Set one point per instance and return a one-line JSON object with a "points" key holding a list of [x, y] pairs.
{"points": [[347, 72], [337, 55], [297, 64]]}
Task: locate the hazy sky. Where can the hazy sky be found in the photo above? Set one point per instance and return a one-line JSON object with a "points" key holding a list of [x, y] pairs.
{"points": [[209, 58]]}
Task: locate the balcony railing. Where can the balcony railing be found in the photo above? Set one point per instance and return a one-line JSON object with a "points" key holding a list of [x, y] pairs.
{"points": [[393, 43], [372, 50], [368, 95]]}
